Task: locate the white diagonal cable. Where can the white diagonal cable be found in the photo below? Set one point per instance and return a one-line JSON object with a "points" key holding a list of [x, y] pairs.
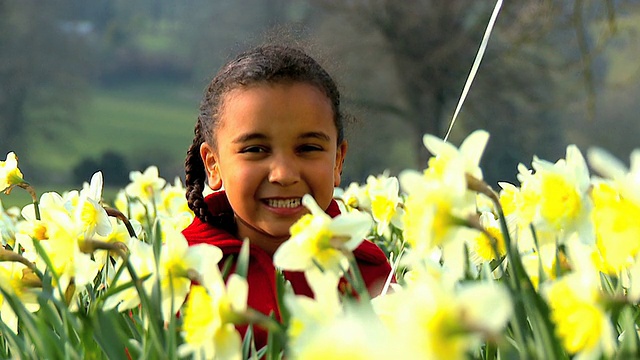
{"points": [[476, 64]]}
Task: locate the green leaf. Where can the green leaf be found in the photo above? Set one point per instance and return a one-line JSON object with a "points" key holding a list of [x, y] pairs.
{"points": [[242, 267], [247, 342], [630, 345], [109, 333]]}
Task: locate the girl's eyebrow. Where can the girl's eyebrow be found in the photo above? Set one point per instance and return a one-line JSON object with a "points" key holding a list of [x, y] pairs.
{"points": [[315, 135], [259, 136], [249, 137]]}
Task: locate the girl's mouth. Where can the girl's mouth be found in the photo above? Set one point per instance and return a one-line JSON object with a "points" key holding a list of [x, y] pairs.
{"points": [[284, 203]]}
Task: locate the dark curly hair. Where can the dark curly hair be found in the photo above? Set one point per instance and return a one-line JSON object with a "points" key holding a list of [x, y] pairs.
{"points": [[264, 64]]}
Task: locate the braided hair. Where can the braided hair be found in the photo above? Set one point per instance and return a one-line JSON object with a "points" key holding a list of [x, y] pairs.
{"points": [[263, 64]]}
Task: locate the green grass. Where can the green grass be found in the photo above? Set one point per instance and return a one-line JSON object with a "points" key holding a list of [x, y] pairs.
{"points": [[148, 123]]}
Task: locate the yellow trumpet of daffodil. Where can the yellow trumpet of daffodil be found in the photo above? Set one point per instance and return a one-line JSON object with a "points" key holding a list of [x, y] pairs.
{"points": [[482, 247], [317, 240]]}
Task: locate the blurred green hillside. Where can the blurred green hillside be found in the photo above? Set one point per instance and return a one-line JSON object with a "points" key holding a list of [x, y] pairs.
{"points": [[147, 123]]}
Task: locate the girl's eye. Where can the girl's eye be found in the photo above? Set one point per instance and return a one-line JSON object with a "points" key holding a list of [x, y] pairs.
{"points": [[253, 149], [308, 148]]}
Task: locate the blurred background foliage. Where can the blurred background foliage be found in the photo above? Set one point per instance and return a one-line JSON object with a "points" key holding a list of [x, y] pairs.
{"points": [[114, 85]]}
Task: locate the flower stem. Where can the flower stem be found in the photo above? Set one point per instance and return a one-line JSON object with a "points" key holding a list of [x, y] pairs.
{"points": [[120, 216], [34, 197], [8, 255]]}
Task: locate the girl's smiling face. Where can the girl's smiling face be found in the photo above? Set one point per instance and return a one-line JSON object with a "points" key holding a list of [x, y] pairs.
{"points": [[275, 142]]}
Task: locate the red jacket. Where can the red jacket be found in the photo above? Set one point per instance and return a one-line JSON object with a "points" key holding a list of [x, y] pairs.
{"points": [[372, 262]]}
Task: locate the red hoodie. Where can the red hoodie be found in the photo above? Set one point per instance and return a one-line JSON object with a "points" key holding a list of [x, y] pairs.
{"points": [[372, 262]]}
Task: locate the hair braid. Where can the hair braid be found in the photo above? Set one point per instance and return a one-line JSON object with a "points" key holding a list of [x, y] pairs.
{"points": [[195, 177]]}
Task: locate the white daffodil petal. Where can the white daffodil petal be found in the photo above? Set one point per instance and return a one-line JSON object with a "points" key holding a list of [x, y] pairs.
{"points": [[606, 164]]}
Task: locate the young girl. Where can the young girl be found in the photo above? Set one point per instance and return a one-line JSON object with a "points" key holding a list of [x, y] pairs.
{"points": [[269, 131]]}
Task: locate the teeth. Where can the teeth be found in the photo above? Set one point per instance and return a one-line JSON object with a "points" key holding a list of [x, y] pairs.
{"points": [[288, 203]]}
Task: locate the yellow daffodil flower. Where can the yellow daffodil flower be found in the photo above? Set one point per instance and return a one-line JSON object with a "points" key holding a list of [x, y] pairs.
{"points": [[565, 204], [435, 216], [317, 240], [143, 262], [172, 199], [581, 321], [10, 175], [433, 320], [145, 186], [209, 315], [483, 249], [14, 281], [469, 153], [356, 197], [356, 334], [308, 314], [616, 210], [177, 258], [385, 202], [89, 211]]}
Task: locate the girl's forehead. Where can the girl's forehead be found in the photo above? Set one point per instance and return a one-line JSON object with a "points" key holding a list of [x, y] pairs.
{"points": [[267, 104]]}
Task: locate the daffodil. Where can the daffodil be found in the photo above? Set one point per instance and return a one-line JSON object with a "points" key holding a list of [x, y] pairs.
{"points": [[582, 324], [469, 153], [89, 212], [627, 180], [616, 210], [177, 259], [436, 215], [356, 197], [134, 210], [490, 246], [437, 321], [616, 223], [146, 185], [62, 247], [60, 234], [172, 199], [438, 203], [560, 194], [10, 174], [386, 203], [17, 281], [308, 314], [209, 317], [356, 334], [317, 240], [142, 260]]}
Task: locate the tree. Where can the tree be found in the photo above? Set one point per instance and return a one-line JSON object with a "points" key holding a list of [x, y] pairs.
{"points": [[45, 64], [522, 84]]}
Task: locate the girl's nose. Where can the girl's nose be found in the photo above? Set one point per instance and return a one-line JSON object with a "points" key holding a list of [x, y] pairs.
{"points": [[284, 171]]}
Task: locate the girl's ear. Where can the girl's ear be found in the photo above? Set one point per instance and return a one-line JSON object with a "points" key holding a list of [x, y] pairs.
{"points": [[210, 161], [341, 152]]}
